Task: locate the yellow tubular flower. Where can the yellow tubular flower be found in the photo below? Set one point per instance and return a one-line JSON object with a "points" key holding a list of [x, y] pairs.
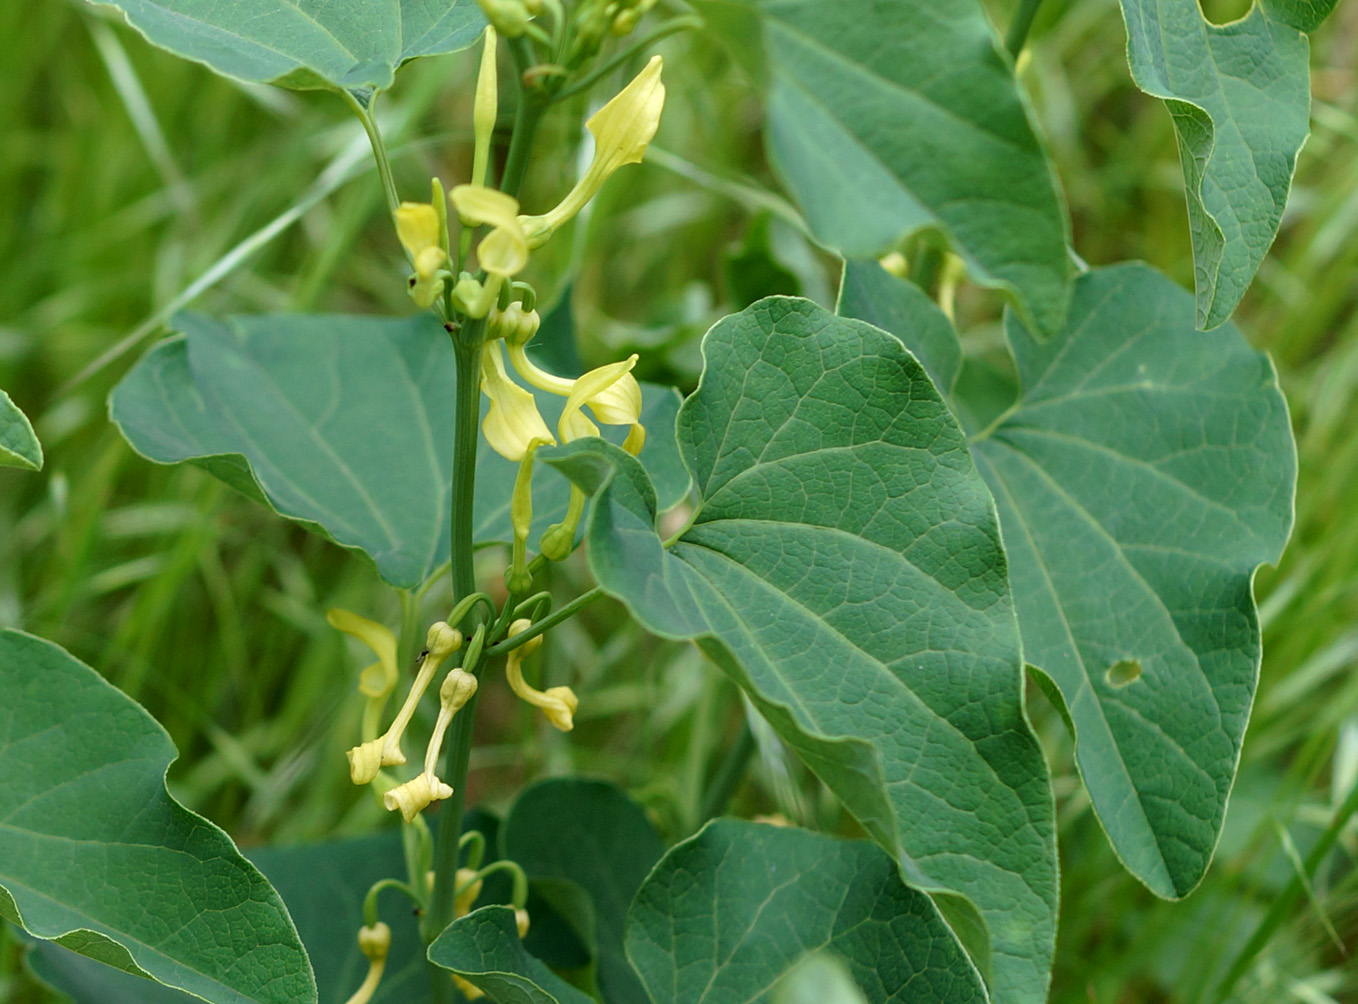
{"points": [[559, 704], [513, 424], [415, 795], [368, 758], [417, 226], [375, 943], [622, 130]]}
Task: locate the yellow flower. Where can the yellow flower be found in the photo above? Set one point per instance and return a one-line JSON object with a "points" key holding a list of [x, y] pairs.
{"points": [[622, 130], [610, 391], [415, 795], [366, 759], [504, 251], [417, 226], [374, 942], [513, 424], [559, 704]]}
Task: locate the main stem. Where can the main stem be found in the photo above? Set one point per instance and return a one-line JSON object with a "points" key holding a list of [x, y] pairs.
{"points": [[467, 411]]}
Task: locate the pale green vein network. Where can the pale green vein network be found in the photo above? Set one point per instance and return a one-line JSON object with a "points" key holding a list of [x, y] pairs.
{"points": [[95, 854], [1144, 473], [856, 587], [338, 43]]}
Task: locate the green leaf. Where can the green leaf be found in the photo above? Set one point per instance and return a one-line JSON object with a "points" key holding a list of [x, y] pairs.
{"points": [[345, 425], [1143, 475], [728, 912], [844, 567], [1240, 98], [484, 949], [347, 44], [95, 855], [589, 833], [323, 886], [880, 132], [19, 446], [871, 293]]}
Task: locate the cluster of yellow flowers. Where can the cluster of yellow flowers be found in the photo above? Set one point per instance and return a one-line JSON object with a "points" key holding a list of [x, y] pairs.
{"points": [[514, 427]]}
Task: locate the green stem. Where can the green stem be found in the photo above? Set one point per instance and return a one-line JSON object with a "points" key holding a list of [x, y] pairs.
{"points": [[364, 111], [521, 144], [546, 624], [729, 773], [467, 414], [1019, 27]]}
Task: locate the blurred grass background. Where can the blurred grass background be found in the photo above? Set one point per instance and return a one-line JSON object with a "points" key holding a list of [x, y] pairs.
{"points": [[128, 177]]}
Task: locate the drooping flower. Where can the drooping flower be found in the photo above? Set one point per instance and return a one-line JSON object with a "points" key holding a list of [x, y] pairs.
{"points": [[610, 391], [622, 130], [558, 704]]}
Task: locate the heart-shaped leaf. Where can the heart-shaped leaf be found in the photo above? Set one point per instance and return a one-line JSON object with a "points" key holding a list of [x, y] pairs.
{"points": [[19, 446], [1240, 97], [589, 833], [344, 424], [323, 886], [844, 566], [350, 44], [885, 117], [728, 913], [97, 856], [484, 948], [1145, 472]]}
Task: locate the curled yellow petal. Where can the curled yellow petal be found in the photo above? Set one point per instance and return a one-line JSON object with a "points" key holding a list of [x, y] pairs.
{"points": [[513, 424], [478, 204], [415, 795], [417, 227], [573, 424], [625, 126], [618, 404]]}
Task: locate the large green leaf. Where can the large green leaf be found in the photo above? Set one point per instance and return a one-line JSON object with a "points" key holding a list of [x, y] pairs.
{"points": [[728, 912], [590, 834], [844, 566], [352, 44], [323, 886], [885, 117], [19, 446], [95, 854], [343, 424], [1240, 97], [484, 948], [1144, 473]]}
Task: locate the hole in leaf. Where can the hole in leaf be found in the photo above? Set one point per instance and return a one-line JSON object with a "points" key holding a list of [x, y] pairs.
{"points": [[1225, 11], [1122, 673]]}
